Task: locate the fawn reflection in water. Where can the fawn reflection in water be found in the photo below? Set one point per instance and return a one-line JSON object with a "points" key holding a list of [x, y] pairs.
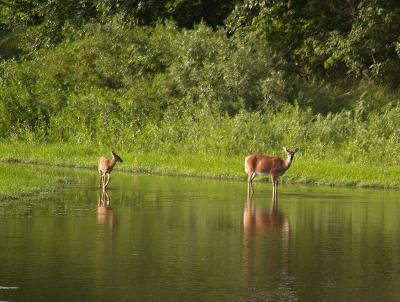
{"points": [[105, 215]]}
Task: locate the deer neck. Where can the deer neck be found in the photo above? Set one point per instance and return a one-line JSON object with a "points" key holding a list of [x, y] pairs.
{"points": [[113, 161], [288, 161]]}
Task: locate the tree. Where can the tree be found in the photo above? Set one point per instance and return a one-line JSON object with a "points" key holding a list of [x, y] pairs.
{"points": [[45, 23], [327, 38]]}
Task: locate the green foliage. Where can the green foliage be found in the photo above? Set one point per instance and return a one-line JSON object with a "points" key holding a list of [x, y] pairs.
{"points": [[46, 23], [327, 39], [322, 76], [369, 47], [140, 89], [139, 72]]}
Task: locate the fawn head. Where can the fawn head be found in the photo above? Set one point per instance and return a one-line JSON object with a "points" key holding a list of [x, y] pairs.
{"points": [[117, 158], [289, 153]]}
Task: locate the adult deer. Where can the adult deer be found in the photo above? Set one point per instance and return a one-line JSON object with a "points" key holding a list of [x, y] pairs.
{"points": [[105, 167], [259, 164]]}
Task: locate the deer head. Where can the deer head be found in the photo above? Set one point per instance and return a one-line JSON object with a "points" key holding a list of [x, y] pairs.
{"points": [[117, 158]]}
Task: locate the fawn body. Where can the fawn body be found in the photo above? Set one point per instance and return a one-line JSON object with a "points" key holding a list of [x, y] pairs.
{"points": [[105, 167]]}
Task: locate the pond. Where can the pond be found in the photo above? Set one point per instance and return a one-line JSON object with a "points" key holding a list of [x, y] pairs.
{"points": [[155, 238]]}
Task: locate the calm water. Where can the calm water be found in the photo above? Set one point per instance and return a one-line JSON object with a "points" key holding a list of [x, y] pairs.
{"points": [[184, 239]]}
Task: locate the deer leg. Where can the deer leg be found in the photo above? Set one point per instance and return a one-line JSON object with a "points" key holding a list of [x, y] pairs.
{"points": [[250, 190], [107, 199], [248, 184], [108, 180], [274, 186], [101, 179], [100, 197], [250, 179]]}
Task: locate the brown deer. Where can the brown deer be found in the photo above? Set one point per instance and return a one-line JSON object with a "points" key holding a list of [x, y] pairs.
{"points": [[105, 167], [259, 164]]}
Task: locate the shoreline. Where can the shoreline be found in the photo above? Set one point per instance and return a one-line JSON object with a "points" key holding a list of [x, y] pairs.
{"points": [[302, 172]]}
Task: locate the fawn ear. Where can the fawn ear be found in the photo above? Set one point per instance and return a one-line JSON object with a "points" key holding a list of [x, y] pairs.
{"points": [[284, 149], [116, 156]]}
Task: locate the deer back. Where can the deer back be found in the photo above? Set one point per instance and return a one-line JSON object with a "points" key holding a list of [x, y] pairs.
{"points": [[105, 165], [264, 164]]}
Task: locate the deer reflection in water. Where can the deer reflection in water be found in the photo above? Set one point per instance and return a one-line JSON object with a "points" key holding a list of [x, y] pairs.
{"points": [[266, 233], [258, 220], [105, 213]]}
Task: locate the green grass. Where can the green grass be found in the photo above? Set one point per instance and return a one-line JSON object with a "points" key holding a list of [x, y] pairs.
{"points": [[17, 182], [21, 180]]}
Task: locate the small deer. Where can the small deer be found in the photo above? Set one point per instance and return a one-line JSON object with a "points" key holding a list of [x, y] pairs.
{"points": [[105, 167], [259, 164]]}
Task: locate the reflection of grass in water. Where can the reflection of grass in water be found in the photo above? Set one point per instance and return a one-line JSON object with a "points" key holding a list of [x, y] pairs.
{"points": [[304, 169], [18, 180]]}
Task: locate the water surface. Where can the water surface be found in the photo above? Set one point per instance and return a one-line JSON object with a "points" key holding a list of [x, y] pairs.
{"points": [[154, 238]]}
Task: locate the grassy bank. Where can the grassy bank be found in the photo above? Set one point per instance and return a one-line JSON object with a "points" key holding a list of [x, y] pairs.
{"points": [[304, 170], [20, 181], [193, 102]]}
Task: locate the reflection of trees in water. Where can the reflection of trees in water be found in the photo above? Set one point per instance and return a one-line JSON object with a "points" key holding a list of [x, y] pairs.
{"points": [[266, 233]]}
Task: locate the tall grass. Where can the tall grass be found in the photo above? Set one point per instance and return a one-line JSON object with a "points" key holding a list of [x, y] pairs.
{"points": [[191, 102]]}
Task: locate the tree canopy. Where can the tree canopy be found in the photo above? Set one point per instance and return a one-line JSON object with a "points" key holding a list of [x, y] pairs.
{"points": [[330, 39]]}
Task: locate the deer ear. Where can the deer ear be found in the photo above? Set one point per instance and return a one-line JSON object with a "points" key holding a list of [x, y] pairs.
{"points": [[284, 149], [296, 150]]}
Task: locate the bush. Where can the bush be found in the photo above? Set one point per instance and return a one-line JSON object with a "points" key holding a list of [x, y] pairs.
{"points": [[194, 91]]}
